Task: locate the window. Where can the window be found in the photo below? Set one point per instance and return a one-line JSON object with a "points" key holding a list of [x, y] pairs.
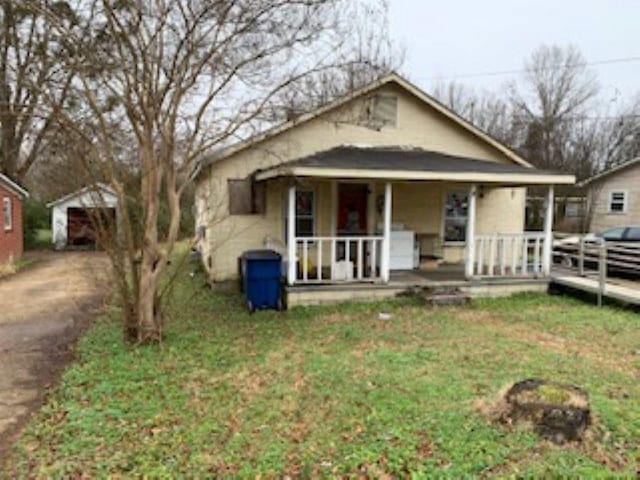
{"points": [[456, 209], [239, 197], [383, 111], [305, 214], [246, 197], [7, 210], [617, 202]]}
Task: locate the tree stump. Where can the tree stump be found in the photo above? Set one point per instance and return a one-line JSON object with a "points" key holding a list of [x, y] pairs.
{"points": [[559, 412]]}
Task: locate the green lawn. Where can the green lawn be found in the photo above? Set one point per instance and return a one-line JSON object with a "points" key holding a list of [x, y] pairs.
{"points": [[334, 391]]}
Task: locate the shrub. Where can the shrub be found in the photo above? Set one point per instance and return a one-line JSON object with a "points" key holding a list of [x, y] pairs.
{"points": [[36, 219]]}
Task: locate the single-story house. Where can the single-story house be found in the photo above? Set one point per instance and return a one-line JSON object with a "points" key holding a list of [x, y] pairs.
{"points": [[72, 216], [374, 192], [11, 227], [614, 196]]}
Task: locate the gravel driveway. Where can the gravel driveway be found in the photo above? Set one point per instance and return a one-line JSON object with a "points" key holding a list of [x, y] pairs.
{"points": [[42, 311]]}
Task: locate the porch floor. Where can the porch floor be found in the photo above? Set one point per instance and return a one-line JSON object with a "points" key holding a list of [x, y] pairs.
{"points": [[441, 276], [404, 280]]}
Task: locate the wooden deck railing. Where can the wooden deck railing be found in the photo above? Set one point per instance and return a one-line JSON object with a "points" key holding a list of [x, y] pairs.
{"points": [[509, 255], [338, 259], [595, 258]]}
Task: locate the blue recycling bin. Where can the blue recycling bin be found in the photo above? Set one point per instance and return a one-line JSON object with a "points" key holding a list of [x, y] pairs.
{"points": [[260, 272]]}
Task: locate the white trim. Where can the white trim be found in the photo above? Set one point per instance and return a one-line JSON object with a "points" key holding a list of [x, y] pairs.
{"points": [[13, 186], [314, 215], [391, 78], [385, 259], [7, 226], [625, 202], [453, 243], [291, 235], [548, 232], [475, 177], [100, 187], [470, 247]]}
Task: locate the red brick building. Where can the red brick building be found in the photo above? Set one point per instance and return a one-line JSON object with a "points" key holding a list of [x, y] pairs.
{"points": [[11, 232]]}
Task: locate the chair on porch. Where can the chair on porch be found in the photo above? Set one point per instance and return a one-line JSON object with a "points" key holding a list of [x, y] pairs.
{"points": [[431, 250]]}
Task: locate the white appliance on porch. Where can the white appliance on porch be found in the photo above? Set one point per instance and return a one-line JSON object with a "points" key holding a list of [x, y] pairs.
{"points": [[404, 254], [403, 246]]}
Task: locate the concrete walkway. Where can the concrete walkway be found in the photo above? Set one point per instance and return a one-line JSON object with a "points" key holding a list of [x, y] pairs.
{"points": [[43, 309]]}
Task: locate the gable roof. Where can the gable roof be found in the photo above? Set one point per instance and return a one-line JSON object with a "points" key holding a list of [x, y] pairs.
{"points": [[103, 187], [610, 171], [13, 186], [387, 79], [349, 161]]}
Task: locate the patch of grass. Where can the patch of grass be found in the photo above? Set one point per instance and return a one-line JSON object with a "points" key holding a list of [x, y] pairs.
{"points": [[9, 268], [329, 391]]}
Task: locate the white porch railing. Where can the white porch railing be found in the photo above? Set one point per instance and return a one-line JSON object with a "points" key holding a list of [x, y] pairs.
{"points": [[338, 259], [510, 255]]}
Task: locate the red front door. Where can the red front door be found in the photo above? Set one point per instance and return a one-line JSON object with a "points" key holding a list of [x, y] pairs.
{"points": [[352, 209]]}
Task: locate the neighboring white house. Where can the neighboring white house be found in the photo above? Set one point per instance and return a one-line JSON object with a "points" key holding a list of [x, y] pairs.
{"points": [[614, 196], [71, 222]]}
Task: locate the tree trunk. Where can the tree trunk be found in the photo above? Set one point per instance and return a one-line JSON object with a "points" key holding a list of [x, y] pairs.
{"points": [[9, 152], [149, 321], [149, 324]]}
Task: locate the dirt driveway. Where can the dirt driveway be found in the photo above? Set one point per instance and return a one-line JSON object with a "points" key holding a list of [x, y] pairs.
{"points": [[42, 311]]}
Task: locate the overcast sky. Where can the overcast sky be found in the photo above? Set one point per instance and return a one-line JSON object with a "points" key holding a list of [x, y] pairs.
{"points": [[458, 37]]}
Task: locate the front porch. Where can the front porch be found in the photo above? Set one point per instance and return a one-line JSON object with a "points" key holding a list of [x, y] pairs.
{"points": [[385, 220], [384, 257]]}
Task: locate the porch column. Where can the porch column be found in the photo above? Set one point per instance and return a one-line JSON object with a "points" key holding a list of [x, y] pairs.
{"points": [[470, 250], [386, 232], [548, 232], [291, 235]]}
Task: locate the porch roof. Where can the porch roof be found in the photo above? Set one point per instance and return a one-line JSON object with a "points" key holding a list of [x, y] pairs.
{"points": [[397, 163]]}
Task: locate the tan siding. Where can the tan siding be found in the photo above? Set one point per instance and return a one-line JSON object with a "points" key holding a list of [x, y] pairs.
{"points": [[501, 210], [418, 205], [628, 180]]}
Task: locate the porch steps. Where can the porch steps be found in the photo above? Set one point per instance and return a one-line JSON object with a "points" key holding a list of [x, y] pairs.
{"points": [[442, 296]]}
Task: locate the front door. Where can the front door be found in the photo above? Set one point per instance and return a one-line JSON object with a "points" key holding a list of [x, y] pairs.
{"points": [[352, 209]]}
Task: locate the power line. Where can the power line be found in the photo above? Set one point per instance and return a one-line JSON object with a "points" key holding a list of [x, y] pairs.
{"points": [[582, 117], [524, 70]]}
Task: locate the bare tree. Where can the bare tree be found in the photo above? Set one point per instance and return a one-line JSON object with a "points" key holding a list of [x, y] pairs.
{"points": [[619, 135], [174, 79], [557, 91], [29, 61], [374, 55], [485, 110], [553, 118]]}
